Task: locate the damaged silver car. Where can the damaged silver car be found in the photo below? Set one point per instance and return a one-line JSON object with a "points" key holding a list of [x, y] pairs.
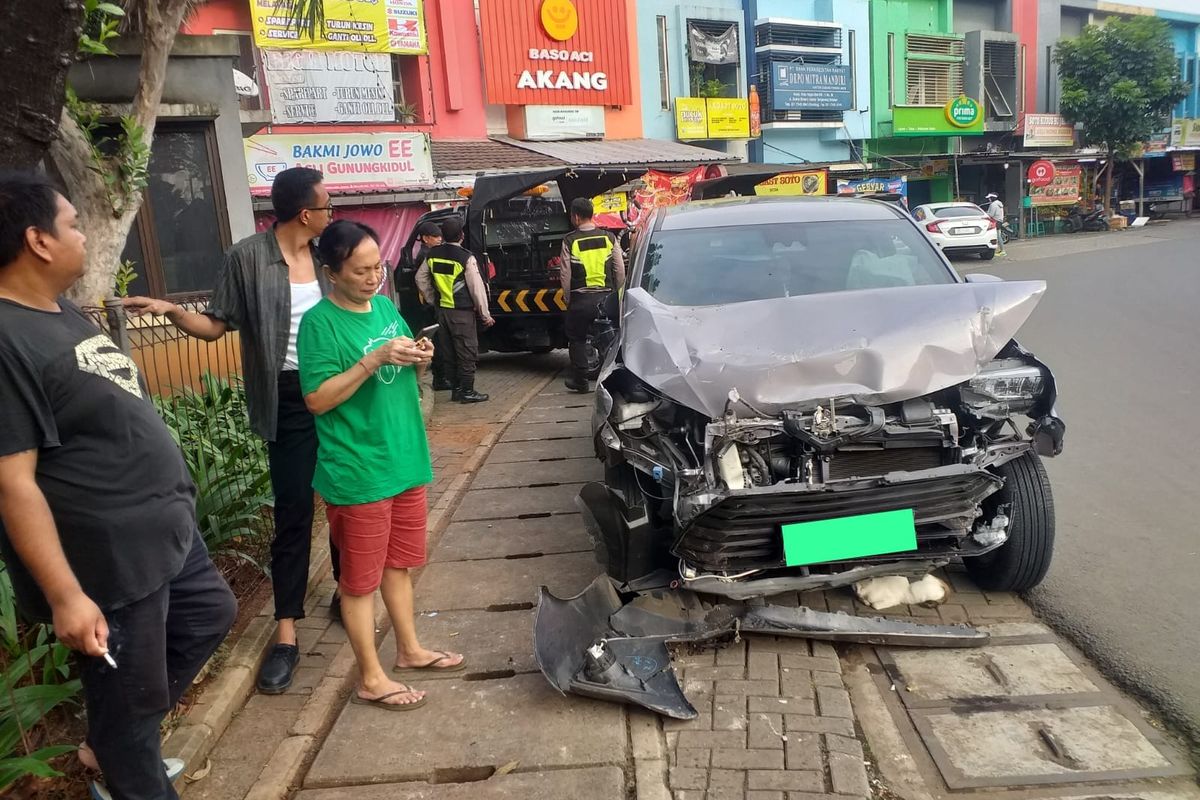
{"points": [[804, 394]]}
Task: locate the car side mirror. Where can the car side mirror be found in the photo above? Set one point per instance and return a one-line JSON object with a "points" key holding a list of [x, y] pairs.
{"points": [[983, 277]]}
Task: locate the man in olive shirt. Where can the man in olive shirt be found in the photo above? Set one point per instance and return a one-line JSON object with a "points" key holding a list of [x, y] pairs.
{"points": [[267, 283]]}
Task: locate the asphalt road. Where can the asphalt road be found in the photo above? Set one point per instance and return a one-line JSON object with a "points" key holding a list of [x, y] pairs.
{"points": [[1120, 326]]}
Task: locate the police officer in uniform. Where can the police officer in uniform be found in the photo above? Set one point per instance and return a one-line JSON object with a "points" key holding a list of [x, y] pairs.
{"points": [[593, 267], [429, 233], [450, 276]]}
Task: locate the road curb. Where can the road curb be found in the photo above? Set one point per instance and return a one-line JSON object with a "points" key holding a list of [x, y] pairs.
{"points": [[294, 755]]}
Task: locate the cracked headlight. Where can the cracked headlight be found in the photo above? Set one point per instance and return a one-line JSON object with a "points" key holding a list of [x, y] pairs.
{"points": [[1003, 388]]}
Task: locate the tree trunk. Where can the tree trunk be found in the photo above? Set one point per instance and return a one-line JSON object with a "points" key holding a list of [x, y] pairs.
{"points": [[38, 47], [1108, 178], [107, 227]]}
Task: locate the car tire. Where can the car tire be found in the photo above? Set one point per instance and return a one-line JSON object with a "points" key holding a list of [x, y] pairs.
{"points": [[1020, 563], [988, 255]]}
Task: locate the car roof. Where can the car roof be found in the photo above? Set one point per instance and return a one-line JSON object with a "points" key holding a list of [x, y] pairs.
{"points": [[738, 211]]}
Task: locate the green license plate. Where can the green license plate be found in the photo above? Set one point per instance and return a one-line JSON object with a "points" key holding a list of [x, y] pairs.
{"points": [[849, 537]]}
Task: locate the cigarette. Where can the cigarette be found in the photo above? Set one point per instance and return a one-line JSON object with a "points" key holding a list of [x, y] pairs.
{"points": [[111, 661]]}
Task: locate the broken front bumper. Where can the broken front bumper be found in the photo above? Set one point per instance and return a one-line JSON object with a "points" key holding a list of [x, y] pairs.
{"points": [[595, 645]]}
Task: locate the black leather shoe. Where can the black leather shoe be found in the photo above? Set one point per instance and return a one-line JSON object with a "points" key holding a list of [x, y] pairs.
{"points": [[471, 396], [577, 387], [443, 385], [276, 674]]}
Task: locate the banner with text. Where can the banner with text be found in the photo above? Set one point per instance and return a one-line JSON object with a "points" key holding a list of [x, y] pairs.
{"points": [[810, 87], [1048, 130], [712, 118], [1062, 190], [893, 185], [351, 162], [317, 86], [374, 26], [808, 182]]}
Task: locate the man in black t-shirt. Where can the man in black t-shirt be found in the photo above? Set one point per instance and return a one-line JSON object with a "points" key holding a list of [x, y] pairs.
{"points": [[97, 509]]}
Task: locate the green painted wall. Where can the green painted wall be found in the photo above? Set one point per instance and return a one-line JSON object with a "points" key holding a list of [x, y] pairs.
{"points": [[899, 17]]}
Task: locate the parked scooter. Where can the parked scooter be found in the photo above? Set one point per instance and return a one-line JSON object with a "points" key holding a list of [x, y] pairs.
{"points": [[1077, 220]]}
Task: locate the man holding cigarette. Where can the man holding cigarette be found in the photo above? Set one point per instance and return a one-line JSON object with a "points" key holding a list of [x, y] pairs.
{"points": [[97, 510]]}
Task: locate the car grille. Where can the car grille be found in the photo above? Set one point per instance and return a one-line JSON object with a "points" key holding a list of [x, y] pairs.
{"points": [[743, 531], [866, 463]]}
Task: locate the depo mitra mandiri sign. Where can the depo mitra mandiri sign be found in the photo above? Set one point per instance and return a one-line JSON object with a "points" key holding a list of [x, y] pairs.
{"points": [[351, 162]]}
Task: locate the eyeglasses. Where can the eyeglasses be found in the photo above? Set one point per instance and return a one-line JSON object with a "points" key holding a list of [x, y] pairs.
{"points": [[328, 209]]}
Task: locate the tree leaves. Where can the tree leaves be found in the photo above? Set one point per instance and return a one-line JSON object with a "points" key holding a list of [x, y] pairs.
{"points": [[1120, 80]]}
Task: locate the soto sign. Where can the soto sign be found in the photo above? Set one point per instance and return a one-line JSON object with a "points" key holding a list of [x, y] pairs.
{"points": [[351, 162], [809, 182]]}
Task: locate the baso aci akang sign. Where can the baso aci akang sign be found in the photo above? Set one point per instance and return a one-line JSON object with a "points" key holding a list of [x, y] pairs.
{"points": [[556, 52]]}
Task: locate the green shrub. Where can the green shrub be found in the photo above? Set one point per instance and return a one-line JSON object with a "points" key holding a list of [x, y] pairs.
{"points": [[33, 682], [227, 462]]}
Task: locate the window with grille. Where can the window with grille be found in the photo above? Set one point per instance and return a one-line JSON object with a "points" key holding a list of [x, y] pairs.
{"points": [[1000, 79], [933, 83], [925, 44]]}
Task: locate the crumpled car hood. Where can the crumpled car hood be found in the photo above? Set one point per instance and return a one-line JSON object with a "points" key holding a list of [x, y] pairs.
{"points": [[868, 347]]}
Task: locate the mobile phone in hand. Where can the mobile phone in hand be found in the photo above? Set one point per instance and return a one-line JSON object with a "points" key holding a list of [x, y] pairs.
{"points": [[427, 332]]}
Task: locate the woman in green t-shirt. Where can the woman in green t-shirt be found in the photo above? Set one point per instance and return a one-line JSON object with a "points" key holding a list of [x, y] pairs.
{"points": [[358, 373]]}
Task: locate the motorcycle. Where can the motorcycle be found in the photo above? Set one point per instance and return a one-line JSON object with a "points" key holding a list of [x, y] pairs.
{"points": [[1077, 220]]}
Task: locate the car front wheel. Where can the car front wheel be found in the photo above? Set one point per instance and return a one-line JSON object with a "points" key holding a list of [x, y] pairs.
{"points": [[1022, 561]]}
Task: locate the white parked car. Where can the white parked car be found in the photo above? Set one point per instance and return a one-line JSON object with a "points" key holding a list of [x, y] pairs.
{"points": [[958, 229]]}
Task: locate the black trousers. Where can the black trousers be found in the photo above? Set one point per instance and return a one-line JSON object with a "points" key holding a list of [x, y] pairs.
{"points": [[293, 457], [460, 343], [582, 311], [159, 643]]}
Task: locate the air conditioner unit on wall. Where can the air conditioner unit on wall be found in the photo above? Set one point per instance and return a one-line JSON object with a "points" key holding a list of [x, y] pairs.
{"points": [[993, 77]]}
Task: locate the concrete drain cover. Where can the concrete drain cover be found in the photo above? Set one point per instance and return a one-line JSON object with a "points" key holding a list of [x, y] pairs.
{"points": [[1022, 712], [1038, 746]]}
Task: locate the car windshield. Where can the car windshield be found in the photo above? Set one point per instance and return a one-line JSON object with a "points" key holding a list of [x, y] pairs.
{"points": [[946, 212], [711, 266]]}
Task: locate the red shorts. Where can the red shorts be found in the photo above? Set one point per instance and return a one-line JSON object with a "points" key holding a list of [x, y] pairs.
{"points": [[371, 536]]}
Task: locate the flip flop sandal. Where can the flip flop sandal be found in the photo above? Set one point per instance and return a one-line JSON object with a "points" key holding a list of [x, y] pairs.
{"points": [[378, 701], [173, 766], [432, 666]]}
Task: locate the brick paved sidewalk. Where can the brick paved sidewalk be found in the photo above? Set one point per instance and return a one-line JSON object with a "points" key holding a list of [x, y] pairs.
{"points": [[271, 730]]}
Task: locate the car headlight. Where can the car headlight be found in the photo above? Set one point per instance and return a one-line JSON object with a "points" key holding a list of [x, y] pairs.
{"points": [[1005, 387]]}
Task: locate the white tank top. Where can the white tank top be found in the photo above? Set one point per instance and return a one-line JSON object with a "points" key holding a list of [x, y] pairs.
{"points": [[304, 297]]}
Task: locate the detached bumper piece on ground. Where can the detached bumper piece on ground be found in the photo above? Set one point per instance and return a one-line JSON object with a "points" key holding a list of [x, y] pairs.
{"points": [[596, 645]]}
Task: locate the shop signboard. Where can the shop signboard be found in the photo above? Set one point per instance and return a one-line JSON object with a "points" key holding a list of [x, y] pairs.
{"points": [[728, 117], [381, 26], [1183, 162], [1048, 130], [810, 87], [321, 86], [1185, 132], [691, 118], [611, 203], [351, 162], [556, 52], [1170, 188], [962, 116], [890, 185], [1062, 190], [556, 123], [806, 182], [712, 118], [1041, 173]]}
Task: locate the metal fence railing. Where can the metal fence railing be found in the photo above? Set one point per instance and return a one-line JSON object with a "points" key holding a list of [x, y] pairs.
{"points": [[197, 388]]}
